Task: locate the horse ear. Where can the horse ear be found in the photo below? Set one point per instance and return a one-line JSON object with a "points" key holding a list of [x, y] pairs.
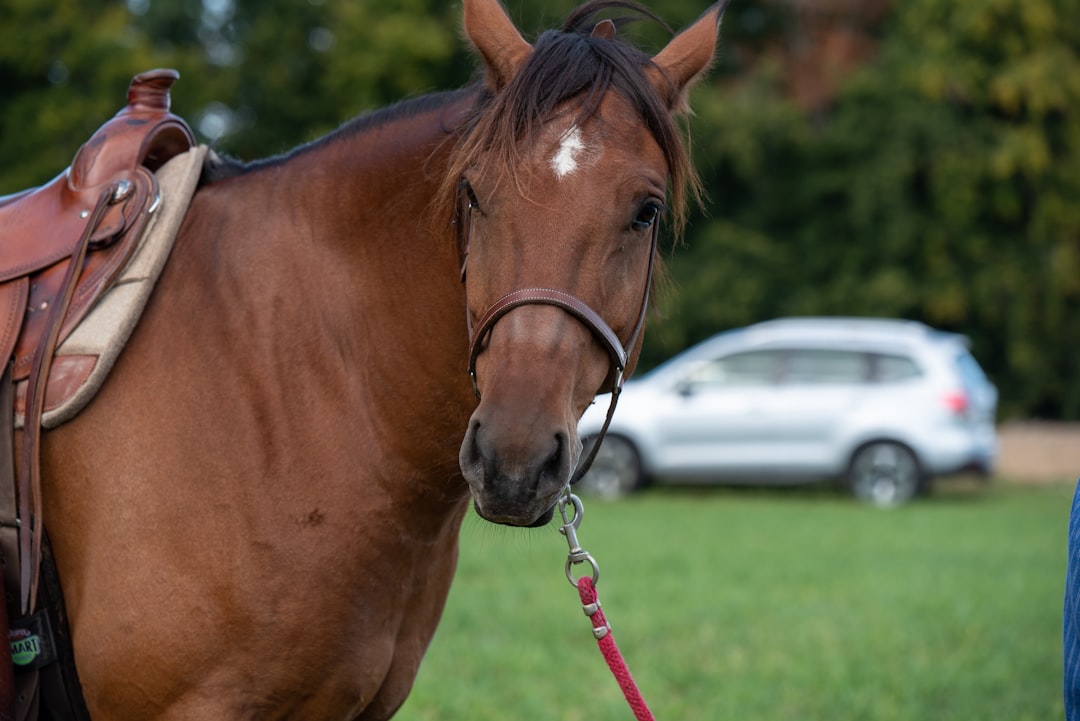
{"points": [[687, 57], [604, 29], [493, 34]]}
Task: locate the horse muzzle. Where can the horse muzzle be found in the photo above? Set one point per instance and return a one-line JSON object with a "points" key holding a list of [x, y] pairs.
{"points": [[515, 477]]}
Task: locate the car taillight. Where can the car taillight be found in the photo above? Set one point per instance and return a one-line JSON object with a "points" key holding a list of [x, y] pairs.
{"points": [[956, 402]]}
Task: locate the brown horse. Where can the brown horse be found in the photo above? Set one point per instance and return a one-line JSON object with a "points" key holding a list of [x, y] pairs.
{"points": [[257, 518]]}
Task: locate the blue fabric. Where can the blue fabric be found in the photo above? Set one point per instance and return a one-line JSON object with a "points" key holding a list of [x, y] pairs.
{"points": [[1071, 616]]}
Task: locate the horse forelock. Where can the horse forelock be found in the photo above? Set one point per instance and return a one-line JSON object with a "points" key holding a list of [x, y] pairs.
{"points": [[572, 68]]}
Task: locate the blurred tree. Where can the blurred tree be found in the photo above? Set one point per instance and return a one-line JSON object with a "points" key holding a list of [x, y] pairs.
{"points": [[64, 69], [297, 70], [257, 76]]}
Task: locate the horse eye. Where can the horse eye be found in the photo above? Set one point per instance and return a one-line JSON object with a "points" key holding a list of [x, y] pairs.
{"points": [[647, 216], [470, 194]]}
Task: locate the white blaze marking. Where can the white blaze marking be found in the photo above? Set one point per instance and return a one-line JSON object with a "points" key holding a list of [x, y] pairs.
{"points": [[565, 161]]}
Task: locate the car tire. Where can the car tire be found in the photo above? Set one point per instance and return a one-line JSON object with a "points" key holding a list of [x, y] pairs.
{"points": [[615, 472], [884, 474]]}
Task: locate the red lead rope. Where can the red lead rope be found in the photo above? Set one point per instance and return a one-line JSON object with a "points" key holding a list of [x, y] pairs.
{"points": [[590, 603], [602, 632]]}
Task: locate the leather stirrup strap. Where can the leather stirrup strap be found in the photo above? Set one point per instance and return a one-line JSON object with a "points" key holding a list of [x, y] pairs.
{"points": [[31, 528]]}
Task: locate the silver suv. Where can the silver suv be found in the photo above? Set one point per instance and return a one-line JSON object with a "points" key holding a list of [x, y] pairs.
{"points": [[883, 405]]}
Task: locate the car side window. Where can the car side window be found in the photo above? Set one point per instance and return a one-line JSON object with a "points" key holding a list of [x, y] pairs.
{"points": [[752, 368], [813, 366], [894, 368]]}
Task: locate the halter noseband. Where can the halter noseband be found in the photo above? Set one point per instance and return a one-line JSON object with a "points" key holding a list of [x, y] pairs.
{"points": [[546, 296], [618, 351]]}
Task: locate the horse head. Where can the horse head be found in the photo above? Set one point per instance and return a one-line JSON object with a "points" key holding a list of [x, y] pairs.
{"points": [[561, 177]]}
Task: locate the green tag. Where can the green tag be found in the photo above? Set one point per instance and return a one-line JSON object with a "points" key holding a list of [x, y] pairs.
{"points": [[25, 647], [31, 642]]}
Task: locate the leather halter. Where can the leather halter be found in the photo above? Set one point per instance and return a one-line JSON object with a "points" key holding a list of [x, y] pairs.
{"points": [[618, 351]]}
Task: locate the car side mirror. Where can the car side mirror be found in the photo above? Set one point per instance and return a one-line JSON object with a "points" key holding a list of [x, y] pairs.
{"points": [[686, 387]]}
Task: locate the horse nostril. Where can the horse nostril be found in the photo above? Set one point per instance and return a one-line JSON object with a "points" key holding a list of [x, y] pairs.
{"points": [[470, 457], [558, 463]]}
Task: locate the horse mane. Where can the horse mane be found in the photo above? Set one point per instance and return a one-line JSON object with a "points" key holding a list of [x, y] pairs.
{"points": [[220, 166], [570, 64]]}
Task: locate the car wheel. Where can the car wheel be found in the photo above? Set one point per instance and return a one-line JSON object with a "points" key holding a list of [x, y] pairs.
{"points": [[884, 474], [616, 470]]}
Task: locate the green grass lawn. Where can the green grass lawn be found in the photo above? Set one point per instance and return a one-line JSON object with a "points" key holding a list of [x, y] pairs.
{"points": [[765, 606]]}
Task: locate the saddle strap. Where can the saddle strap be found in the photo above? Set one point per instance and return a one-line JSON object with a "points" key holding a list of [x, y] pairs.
{"points": [[61, 693], [9, 537], [29, 471]]}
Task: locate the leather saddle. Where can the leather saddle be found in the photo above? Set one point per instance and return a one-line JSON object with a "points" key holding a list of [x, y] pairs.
{"points": [[61, 247], [40, 228]]}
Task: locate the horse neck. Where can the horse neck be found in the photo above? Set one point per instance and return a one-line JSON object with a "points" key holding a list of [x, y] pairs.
{"points": [[364, 273]]}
